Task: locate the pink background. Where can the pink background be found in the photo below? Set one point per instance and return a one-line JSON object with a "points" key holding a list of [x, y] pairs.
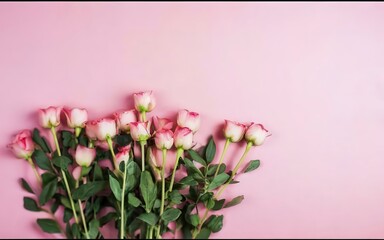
{"points": [[313, 73]]}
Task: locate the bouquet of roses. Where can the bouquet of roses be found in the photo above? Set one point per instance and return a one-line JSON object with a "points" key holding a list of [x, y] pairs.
{"points": [[114, 170]]}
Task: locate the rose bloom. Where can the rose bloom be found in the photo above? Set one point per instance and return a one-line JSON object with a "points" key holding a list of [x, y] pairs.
{"points": [[49, 117], [256, 133], [234, 131], [188, 119], [76, 117], [144, 101], [22, 145]]}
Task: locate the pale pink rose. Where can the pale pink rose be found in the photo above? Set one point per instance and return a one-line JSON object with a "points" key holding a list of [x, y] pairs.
{"points": [[84, 156], [183, 138], [76, 117], [256, 133], [91, 129], [76, 173], [234, 131], [164, 139], [50, 117], [188, 119], [105, 128], [123, 154], [139, 131], [144, 101], [162, 123], [123, 119], [102, 144], [22, 145]]}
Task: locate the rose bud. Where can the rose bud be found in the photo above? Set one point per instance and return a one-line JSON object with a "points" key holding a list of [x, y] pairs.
{"points": [[256, 133], [188, 119], [123, 154], [90, 129], [123, 119], [50, 117], [105, 128], [84, 156], [234, 131], [76, 117], [139, 131], [183, 138], [164, 139], [144, 101], [22, 145], [76, 173], [162, 123]]}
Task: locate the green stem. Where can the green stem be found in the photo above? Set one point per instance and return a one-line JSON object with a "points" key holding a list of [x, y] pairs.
{"points": [[122, 226], [151, 232], [53, 130], [227, 142], [142, 144], [143, 116], [38, 177], [162, 190], [110, 145], [83, 220], [77, 132], [178, 155], [234, 172]]}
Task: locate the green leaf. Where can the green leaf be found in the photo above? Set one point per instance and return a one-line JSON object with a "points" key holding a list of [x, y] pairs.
{"points": [[76, 231], [94, 228], [206, 196], [171, 214], [55, 205], [194, 219], [106, 218], [218, 204], [191, 167], [175, 197], [133, 174], [31, 205], [47, 177], [157, 203], [48, 225], [88, 190], [68, 138], [123, 139], [148, 190], [210, 203], [212, 169], [115, 187], [42, 160], [133, 200], [204, 234], [218, 181], [235, 201], [188, 180], [67, 215], [25, 186], [215, 223], [210, 150], [48, 191], [252, 165], [195, 156], [97, 173], [149, 218], [85, 170], [61, 162], [65, 202], [40, 141]]}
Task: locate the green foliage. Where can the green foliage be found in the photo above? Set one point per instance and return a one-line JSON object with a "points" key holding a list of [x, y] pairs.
{"points": [[40, 141], [235, 201], [88, 190], [48, 225], [148, 190], [210, 150], [42, 160], [31, 205], [252, 165], [25, 185]]}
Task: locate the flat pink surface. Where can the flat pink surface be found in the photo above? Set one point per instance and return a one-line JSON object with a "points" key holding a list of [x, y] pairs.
{"points": [[313, 73]]}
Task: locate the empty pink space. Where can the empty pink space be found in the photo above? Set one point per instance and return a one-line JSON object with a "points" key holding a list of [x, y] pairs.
{"points": [[312, 73]]}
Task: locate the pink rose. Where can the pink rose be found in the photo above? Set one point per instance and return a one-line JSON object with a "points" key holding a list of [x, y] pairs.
{"points": [[183, 138], [256, 133], [50, 117], [144, 101], [22, 145], [234, 131], [90, 129], [103, 128], [123, 119], [76, 173], [139, 131], [76, 117], [162, 123], [123, 154], [164, 139], [84, 156], [188, 119]]}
